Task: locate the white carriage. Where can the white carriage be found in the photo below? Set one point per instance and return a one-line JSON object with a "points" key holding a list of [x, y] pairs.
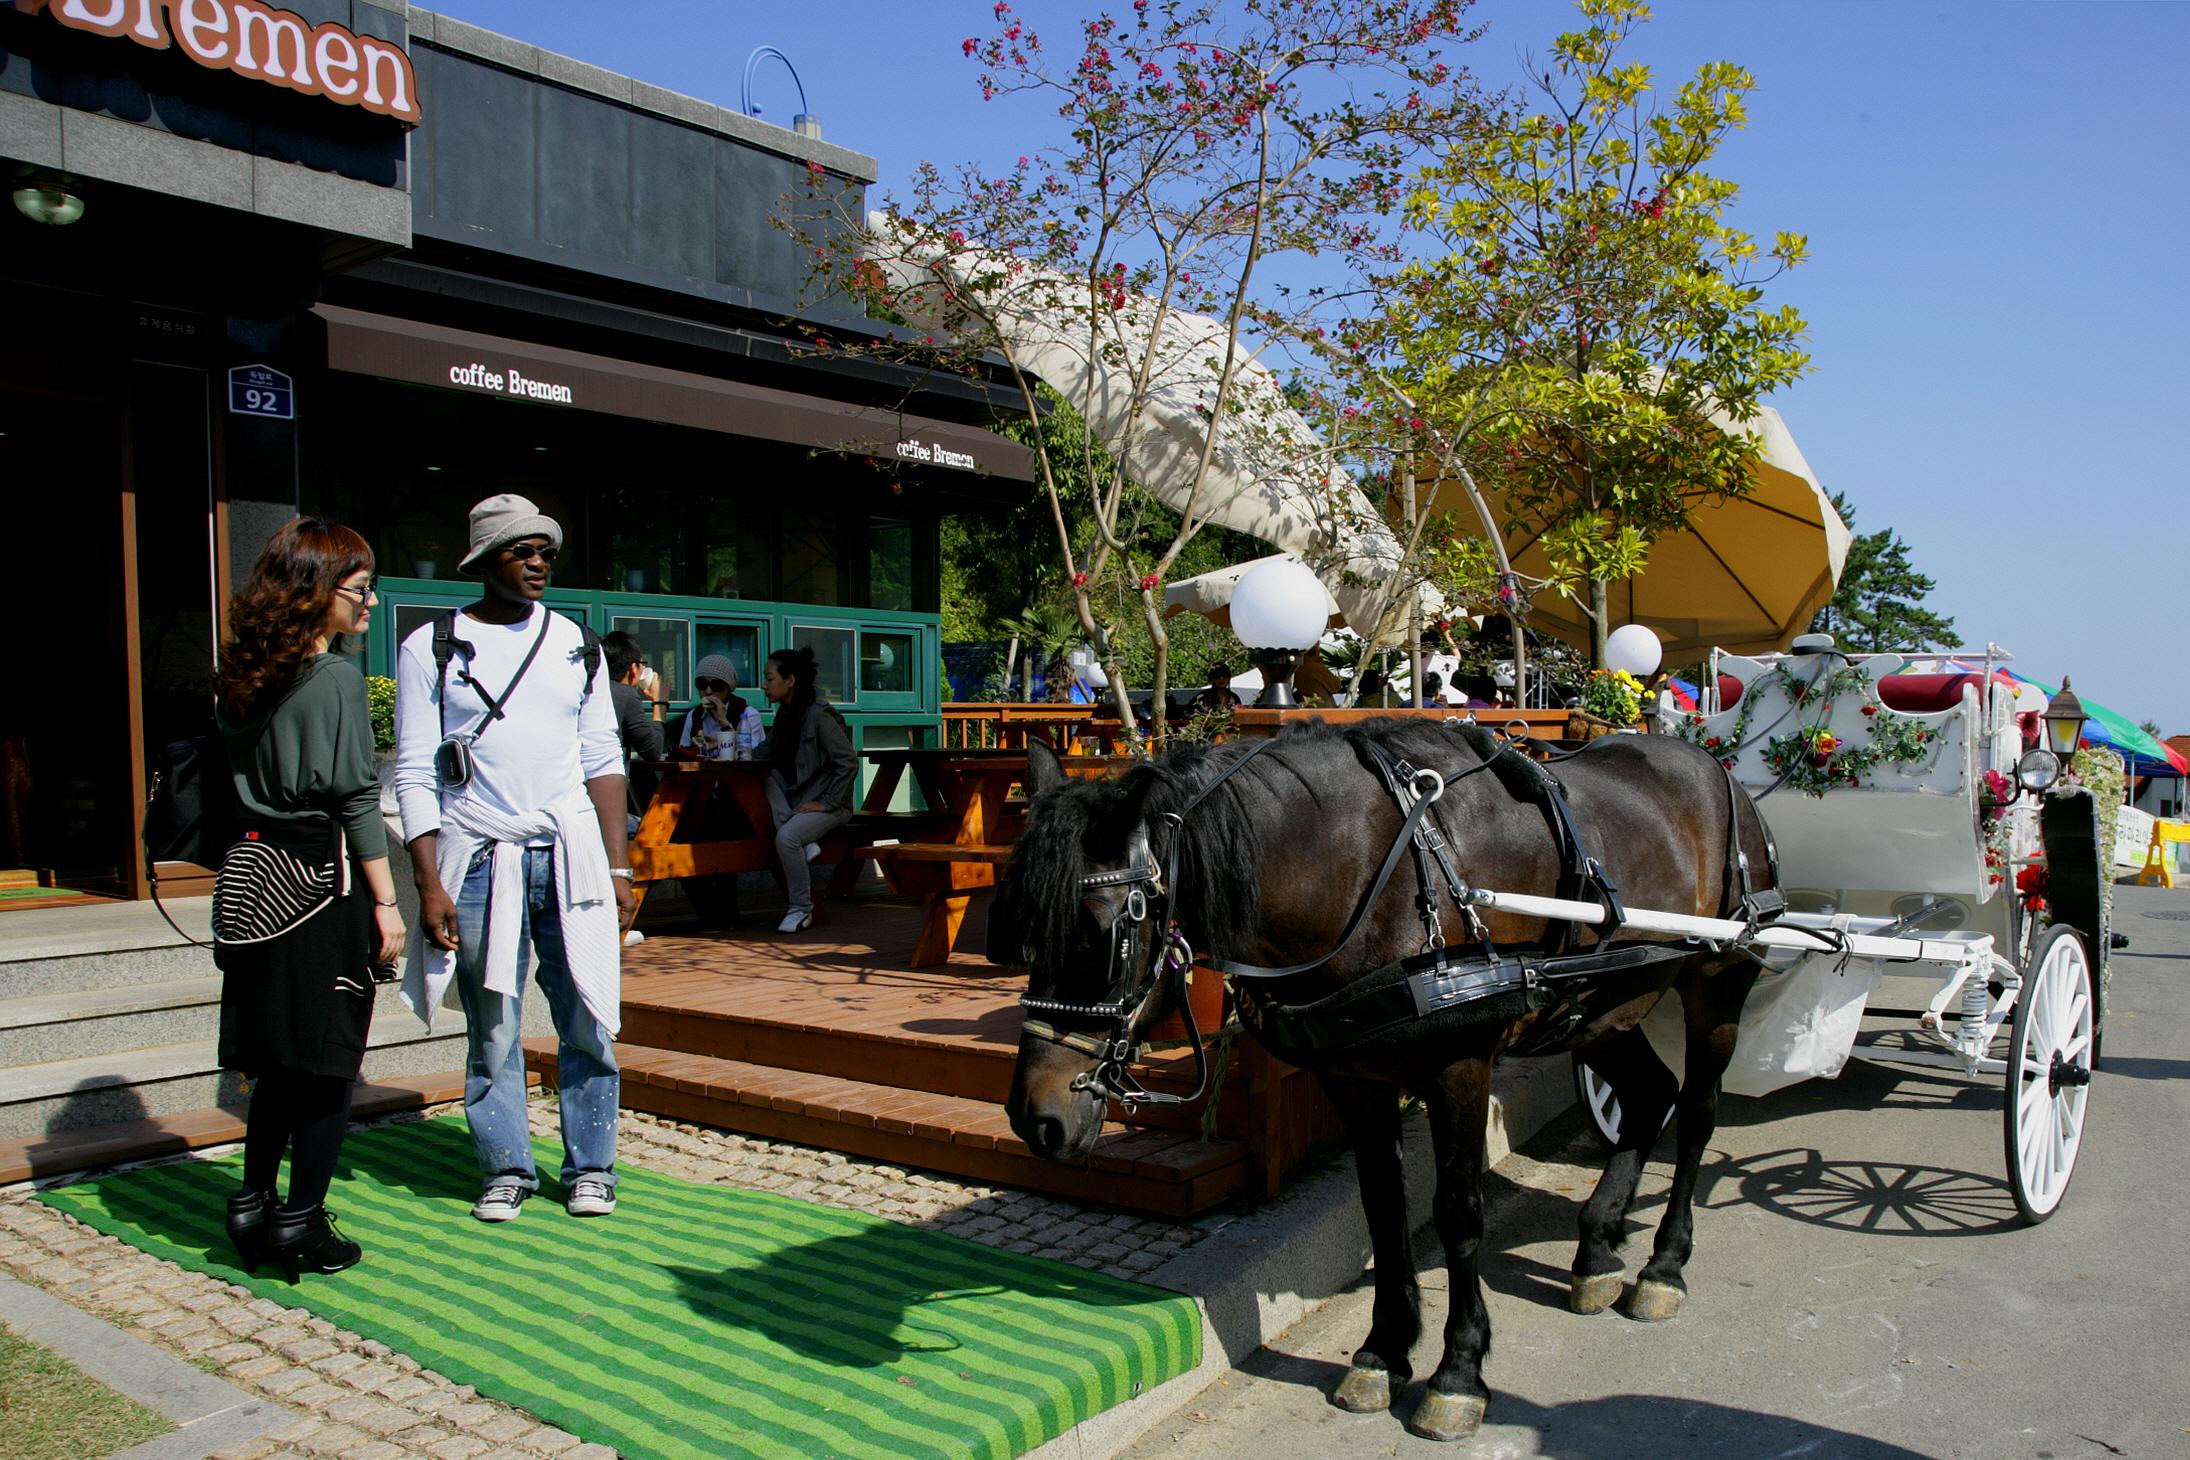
{"points": [[1903, 832]]}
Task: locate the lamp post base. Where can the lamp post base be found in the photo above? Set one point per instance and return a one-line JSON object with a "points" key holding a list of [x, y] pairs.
{"points": [[1278, 667]]}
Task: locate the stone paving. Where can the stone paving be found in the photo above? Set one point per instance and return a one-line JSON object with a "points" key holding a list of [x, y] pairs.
{"points": [[355, 1399]]}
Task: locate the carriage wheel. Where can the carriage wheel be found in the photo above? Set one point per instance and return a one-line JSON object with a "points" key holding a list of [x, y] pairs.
{"points": [[1599, 1103], [2048, 1073]]}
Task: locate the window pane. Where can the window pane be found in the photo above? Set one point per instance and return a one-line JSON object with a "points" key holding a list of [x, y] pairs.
{"points": [[832, 659], [886, 662], [889, 564], [639, 530], [741, 642], [811, 572], [668, 646], [737, 538]]}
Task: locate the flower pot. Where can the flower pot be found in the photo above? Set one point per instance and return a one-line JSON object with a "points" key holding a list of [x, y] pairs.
{"points": [[1205, 988]]}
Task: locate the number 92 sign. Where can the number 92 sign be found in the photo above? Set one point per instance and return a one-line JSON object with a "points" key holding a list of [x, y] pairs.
{"points": [[261, 390]]}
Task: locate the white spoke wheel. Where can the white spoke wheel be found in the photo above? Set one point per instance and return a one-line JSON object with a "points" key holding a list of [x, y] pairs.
{"points": [[2049, 1060], [1599, 1104]]}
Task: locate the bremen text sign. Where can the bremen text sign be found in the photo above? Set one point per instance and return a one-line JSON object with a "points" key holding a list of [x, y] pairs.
{"points": [[278, 47]]}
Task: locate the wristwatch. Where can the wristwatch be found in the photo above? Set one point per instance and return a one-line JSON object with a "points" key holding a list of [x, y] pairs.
{"points": [[623, 872]]}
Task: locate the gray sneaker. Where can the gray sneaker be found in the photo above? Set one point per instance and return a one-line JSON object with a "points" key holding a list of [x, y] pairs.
{"points": [[590, 1196], [500, 1202]]}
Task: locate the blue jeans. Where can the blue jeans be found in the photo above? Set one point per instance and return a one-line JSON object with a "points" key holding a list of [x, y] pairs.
{"points": [[494, 1072]]}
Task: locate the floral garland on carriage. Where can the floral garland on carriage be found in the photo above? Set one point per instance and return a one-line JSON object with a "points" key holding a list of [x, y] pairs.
{"points": [[1812, 759]]}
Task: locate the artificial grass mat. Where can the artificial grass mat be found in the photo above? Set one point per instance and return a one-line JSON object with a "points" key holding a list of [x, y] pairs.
{"points": [[697, 1320]]}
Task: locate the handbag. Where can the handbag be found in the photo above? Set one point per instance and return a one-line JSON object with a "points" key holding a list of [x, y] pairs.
{"points": [[268, 885]]}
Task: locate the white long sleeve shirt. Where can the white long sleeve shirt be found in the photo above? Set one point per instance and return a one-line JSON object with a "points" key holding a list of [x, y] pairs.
{"points": [[554, 738]]}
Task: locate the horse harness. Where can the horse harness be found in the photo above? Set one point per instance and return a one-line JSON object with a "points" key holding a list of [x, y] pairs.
{"points": [[1417, 997]]}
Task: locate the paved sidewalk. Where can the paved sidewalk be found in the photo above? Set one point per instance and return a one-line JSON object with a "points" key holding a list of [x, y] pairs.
{"points": [[1253, 1270]]}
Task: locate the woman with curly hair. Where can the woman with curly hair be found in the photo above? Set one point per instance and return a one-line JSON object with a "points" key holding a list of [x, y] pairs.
{"points": [[810, 751], [304, 906]]}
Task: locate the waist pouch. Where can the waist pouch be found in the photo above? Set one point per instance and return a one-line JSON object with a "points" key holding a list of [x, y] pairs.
{"points": [[274, 878], [1441, 993]]}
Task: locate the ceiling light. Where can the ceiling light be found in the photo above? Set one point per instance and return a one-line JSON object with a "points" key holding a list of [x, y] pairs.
{"points": [[47, 203]]}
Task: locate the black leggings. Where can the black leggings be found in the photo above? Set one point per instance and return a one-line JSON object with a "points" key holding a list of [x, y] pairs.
{"points": [[305, 1115]]}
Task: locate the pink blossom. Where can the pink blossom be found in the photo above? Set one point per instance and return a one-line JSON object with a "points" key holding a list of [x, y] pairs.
{"points": [[971, 45]]}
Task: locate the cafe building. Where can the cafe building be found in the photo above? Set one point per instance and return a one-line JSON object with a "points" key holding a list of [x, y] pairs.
{"points": [[361, 260]]}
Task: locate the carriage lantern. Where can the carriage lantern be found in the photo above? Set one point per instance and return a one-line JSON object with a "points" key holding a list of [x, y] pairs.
{"points": [[2064, 717]]}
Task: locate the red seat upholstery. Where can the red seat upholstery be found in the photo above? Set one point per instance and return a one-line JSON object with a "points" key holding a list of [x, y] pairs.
{"points": [[1923, 694]]}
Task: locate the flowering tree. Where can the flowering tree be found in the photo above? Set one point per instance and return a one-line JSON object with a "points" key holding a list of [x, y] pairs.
{"points": [[1211, 146], [1580, 322]]}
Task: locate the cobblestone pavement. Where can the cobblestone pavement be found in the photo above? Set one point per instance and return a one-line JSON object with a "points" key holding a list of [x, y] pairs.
{"points": [[355, 1399]]}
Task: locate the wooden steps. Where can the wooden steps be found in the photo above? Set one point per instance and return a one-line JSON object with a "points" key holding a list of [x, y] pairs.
{"points": [[826, 1038], [87, 1147], [1170, 1173]]}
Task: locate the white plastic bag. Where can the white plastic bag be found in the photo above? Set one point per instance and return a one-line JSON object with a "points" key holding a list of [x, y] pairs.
{"points": [[1800, 1024]]}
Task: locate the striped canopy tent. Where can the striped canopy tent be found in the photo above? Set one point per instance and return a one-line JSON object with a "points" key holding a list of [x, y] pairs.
{"points": [[2143, 753]]}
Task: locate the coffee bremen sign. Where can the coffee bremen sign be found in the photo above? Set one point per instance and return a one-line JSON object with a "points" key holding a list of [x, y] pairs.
{"points": [[278, 47]]}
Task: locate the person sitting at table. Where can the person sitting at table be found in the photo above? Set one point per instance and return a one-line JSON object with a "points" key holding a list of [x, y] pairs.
{"points": [[1218, 698], [809, 751], [721, 726]]}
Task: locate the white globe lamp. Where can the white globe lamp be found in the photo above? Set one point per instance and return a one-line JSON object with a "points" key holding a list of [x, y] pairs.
{"points": [[1634, 649], [1279, 610]]}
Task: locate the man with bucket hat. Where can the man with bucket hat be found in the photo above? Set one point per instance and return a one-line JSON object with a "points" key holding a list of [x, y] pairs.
{"points": [[510, 776]]}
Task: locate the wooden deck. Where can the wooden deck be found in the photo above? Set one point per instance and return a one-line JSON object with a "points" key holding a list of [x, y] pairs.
{"points": [[825, 1038]]}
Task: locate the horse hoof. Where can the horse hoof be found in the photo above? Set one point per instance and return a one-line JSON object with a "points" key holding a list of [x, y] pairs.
{"points": [[1654, 1302], [1448, 1416], [1364, 1391], [1595, 1292]]}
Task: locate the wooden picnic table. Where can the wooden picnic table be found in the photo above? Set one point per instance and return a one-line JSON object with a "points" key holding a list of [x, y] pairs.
{"points": [[979, 819], [670, 839]]}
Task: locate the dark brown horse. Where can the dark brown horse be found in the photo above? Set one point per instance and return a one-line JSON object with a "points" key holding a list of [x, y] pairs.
{"points": [[1265, 856]]}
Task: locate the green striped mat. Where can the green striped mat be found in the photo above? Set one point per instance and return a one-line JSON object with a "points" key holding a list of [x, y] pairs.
{"points": [[698, 1321]]}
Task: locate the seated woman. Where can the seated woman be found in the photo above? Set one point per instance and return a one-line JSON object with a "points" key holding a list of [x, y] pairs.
{"points": [[809, 751], [721, 726]]}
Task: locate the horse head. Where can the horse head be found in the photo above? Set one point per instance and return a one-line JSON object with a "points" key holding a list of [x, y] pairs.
{"points": [[1084, 906]]}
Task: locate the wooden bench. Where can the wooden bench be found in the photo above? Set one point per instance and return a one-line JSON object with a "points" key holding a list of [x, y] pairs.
{"points": [[943, 876]]}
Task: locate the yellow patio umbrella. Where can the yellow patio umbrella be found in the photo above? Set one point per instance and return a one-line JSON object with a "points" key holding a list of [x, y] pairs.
{"points": [[1748, 575]]}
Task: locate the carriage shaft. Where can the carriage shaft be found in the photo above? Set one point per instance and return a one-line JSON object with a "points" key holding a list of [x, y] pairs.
{"points": [[1797, 931]]}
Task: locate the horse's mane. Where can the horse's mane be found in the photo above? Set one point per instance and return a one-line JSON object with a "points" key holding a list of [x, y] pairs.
{"points": [[1220, 854]]}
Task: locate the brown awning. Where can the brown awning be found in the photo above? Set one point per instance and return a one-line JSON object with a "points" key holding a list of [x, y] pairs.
{"points": [[429, 354]]}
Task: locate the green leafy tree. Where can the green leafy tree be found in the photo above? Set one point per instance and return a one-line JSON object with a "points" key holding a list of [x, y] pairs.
{"points": [[1578, 311], [1876, 605]]}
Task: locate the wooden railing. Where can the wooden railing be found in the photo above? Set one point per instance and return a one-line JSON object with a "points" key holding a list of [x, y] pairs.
{"points": [[989, 725]]}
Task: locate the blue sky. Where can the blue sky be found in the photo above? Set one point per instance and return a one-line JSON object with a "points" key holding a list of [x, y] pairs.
{"points": [[1995, 200]]}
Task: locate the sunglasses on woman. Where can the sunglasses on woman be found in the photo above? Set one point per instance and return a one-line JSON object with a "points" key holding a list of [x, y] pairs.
{"points": [[525, 552], [364, 593]]}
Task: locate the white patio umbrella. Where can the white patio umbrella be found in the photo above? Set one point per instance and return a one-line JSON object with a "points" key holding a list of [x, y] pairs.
{"points": [[1270, 476]]}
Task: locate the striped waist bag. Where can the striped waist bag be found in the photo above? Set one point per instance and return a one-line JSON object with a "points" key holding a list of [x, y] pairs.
{"points": [[276, 877]]}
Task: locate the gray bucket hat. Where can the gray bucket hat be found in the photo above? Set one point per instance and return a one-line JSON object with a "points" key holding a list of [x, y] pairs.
{"points": [[501, 520]]}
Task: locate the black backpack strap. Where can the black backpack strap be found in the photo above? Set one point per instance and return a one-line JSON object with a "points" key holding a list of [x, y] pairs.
{"points": [[592, 655]]}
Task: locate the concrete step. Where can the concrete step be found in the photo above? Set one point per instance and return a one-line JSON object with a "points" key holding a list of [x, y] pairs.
{"points": [[69, 949], [98, 1021], [128, 1085]]}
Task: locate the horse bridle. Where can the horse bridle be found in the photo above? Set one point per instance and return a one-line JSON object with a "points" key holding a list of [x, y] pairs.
{"points": [[1136, 996], [1128, 1011]]}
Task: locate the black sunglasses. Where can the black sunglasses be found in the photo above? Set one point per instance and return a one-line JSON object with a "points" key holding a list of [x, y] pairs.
{"points": [[525, 552]]}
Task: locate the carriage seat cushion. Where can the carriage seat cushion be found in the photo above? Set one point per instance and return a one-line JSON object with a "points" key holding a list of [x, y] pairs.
{"points": [[1925, 694]]}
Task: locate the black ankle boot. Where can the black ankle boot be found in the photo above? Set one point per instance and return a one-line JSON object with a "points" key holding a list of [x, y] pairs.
{"points": [[247, 1214], [304, 1239]]}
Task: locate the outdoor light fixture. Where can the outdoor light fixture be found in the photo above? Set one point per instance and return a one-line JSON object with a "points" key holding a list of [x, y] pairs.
{"points": [[2037, 770], [2065, 721], [48, 203], [1279, 610]]}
